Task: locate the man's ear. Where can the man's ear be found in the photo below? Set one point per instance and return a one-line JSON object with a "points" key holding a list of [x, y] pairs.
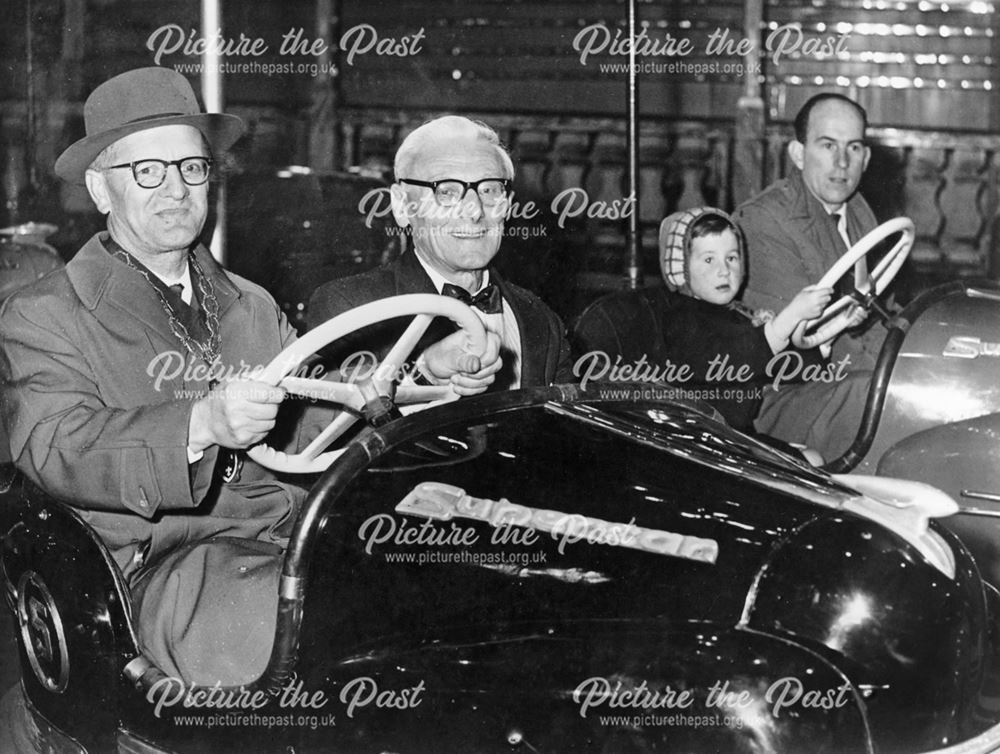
{"points": [[400, 205], [97, 187], [868, 156], [796, 151]]}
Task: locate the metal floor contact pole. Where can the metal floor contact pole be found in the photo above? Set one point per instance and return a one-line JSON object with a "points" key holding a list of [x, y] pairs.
{"points": [[633, 239]]}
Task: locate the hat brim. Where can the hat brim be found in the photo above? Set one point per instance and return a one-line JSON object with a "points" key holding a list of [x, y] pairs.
{"points": [[220, 129]]}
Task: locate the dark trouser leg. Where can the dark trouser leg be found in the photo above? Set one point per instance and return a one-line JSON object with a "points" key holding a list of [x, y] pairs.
{"points": [[821, 415], [206, 612]]}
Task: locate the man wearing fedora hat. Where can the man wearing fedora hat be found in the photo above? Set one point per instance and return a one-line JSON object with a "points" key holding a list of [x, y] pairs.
{"points": [[125, 390]]}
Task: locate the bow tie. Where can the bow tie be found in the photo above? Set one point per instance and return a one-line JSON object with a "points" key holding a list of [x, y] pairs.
{"points": [[488, 300]]}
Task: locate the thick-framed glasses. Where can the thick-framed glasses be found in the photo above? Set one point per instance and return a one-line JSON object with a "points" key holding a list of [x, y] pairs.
{"points": [[450, 191], [151, 174]]}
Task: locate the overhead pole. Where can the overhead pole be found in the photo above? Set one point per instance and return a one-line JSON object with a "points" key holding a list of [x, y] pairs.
{"points": [[633, 237], [324, 150], [748, 160], [30, 141], [212, 95]]}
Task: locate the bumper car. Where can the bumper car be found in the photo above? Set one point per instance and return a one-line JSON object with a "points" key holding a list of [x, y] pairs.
{"points": [[551, 569], [932, 408]]}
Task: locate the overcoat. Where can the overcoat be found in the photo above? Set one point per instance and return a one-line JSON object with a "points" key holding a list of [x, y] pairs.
{"points": [[97, 395], [791, 242]]}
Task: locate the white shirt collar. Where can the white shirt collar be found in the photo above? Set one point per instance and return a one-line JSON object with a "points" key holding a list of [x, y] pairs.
{"points": [[184, 279], [439, 280]]}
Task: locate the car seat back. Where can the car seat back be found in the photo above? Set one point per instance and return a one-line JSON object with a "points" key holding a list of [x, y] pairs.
{"points": [[71, 611], [629, 324]]}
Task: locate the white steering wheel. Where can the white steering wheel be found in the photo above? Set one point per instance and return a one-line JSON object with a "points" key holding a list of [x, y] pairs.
{"points": [[355, 395], [837, 316]]}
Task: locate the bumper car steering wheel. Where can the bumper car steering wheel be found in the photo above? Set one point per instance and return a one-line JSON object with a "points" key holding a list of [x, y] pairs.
{"points": [[356, 395], [867, 287]]}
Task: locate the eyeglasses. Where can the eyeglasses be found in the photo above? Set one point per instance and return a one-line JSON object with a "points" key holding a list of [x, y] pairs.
{"points": [[449, 192], [151, 174]]}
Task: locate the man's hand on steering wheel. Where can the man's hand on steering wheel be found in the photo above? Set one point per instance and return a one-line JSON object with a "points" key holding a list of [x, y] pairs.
{"points": [[449, 361], [235, 414], [843, 313], [856, 316]]}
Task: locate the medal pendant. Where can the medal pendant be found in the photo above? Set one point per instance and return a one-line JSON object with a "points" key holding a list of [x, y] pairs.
{"points": [[232, 465]]}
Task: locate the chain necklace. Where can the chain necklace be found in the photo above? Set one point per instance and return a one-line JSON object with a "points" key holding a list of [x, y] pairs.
{"points": [[210, 351], [231, 461]]}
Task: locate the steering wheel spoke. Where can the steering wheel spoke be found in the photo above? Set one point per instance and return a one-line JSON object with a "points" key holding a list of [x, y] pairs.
{"points": [[344, 393], [343, 421], [862, 280], [391, 367], [407, 394]]}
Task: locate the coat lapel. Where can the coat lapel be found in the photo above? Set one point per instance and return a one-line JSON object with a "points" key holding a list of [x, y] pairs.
{"points": [[532, 329], [100, 280], [860, 218], [225, 290], [410, 277], [135, 313], [810, 218]]}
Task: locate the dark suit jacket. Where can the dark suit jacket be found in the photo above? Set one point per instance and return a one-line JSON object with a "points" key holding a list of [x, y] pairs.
{"points": [[545, 355]]}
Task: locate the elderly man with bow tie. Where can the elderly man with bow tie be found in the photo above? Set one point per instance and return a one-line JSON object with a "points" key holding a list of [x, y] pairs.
{"points": [[453, 182]]}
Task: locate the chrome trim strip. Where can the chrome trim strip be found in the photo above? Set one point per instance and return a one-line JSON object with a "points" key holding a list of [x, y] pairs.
{"points": [[976, 495]]}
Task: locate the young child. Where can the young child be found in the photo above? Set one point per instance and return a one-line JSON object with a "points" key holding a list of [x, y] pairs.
{"points": [[727, 346]]}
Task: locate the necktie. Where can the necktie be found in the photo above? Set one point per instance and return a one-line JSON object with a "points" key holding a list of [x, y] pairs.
{"points": [[189, 314], [488, 300], [840, 220]]}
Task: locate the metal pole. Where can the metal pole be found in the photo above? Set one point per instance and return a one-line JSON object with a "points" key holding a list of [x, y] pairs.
{"points": [[633, 239], [30, 60], [748, 160], [323, 149], [211, 93]]}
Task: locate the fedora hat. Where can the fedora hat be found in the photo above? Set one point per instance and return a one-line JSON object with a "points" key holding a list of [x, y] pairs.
{"points": [[136, 101]]}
